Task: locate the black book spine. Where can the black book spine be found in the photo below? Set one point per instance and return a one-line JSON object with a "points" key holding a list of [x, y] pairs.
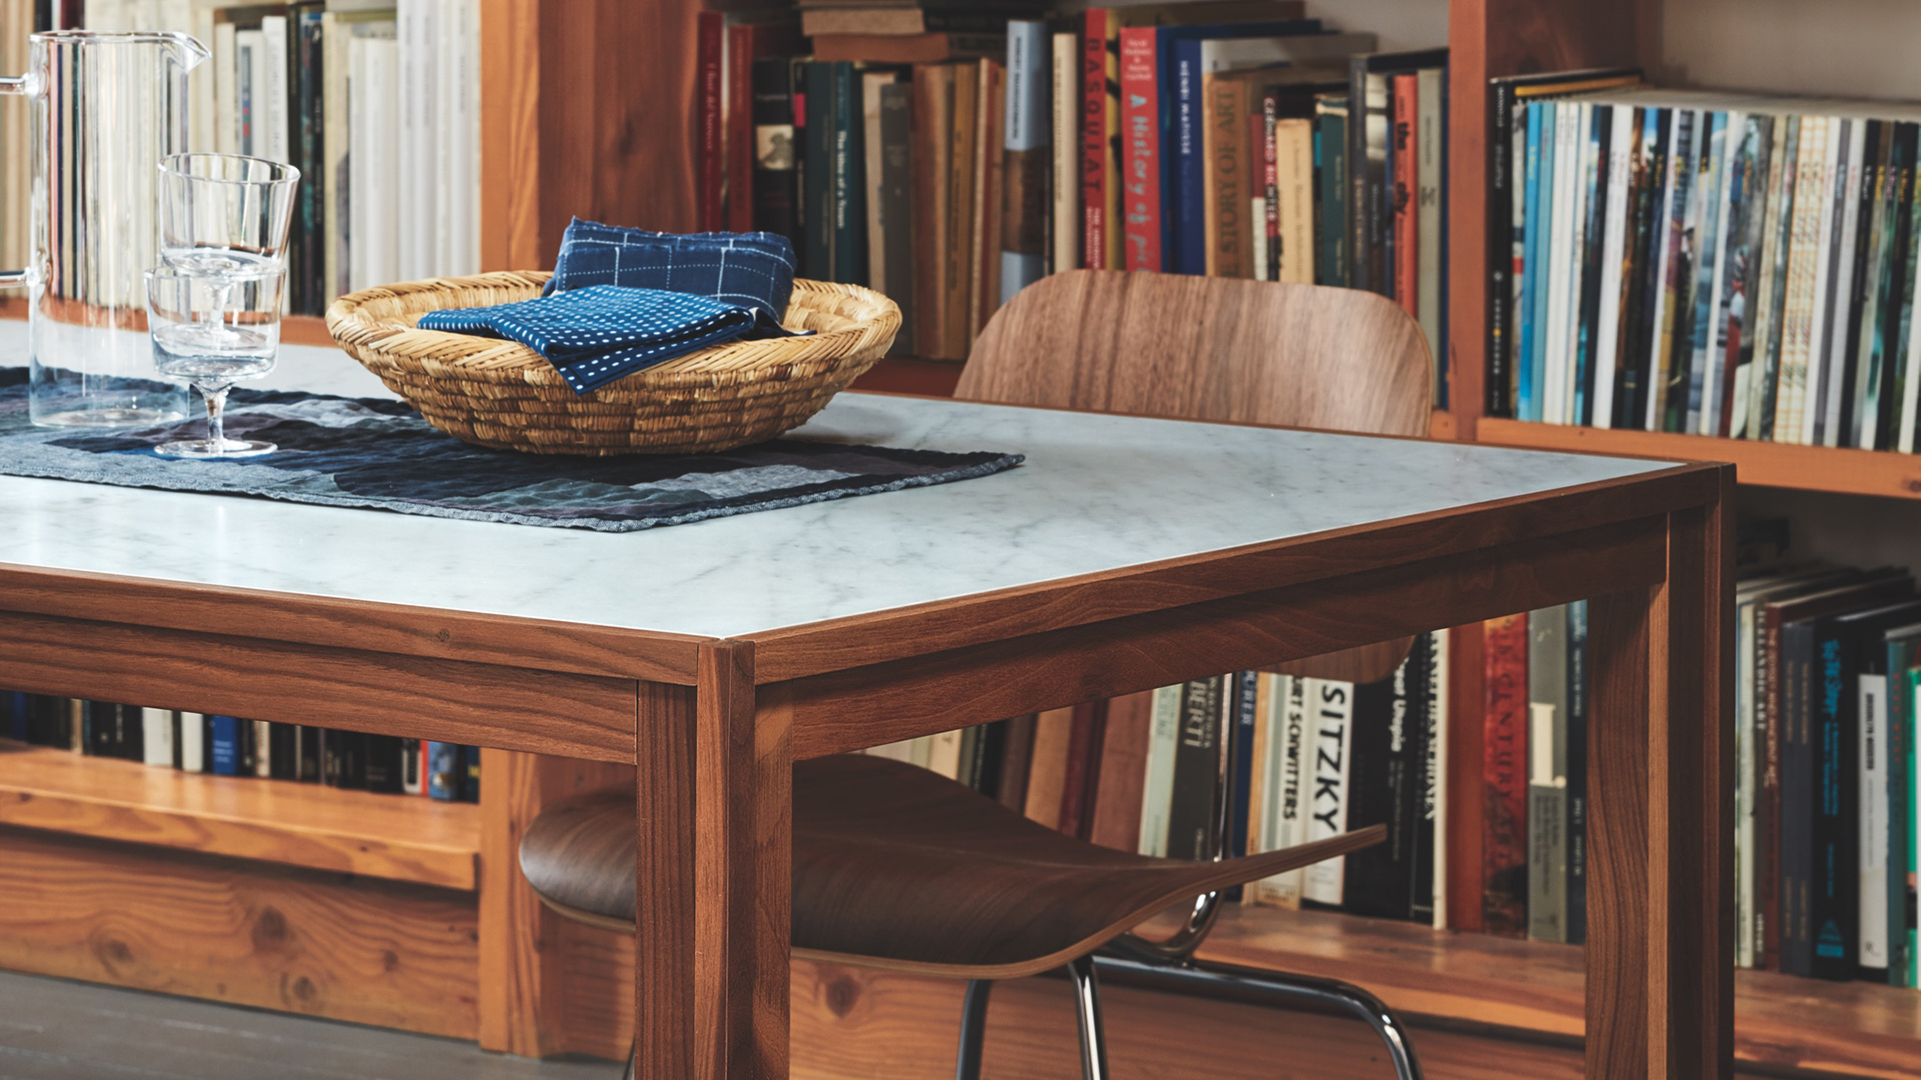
{"points": [[470, 766], [1500, 248], [1381, 789], [1585, 361], [333, 758], [97, 722], [1424, 718], [1197, 771], [1577, 725], [775, 152], [1834, 895], [130, 733], [1658, 162], [384, 765], [309, 119], [817, 172], [1797, 798], [284, 754], [1874, 138], [1634, 248], [1899, 287]]}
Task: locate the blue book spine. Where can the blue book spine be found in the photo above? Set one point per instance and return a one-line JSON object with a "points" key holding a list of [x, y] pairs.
{"points": [[1539, 239], [224, 746], [17, 715], [443, 770], [1530, 223]]}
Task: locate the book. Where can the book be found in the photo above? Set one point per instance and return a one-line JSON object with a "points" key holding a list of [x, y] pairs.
{"points": [[906, 48], [223, 745], [1047, 771], [776, 158], [1329, 714], [1370, 179], [1140, 159], [1504, 778], [1120, 779], [1548, 832], [445, 772], [1387, 749], [156, 736], [1157, 785], [1192, 822], [1285, 761], [1064, 206], [1028, 131]]}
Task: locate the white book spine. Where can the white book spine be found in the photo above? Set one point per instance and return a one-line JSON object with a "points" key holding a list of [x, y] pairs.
{"points": [[1805, 391], [1330, 706], [1559, 268], [1614, 237], [1744, 782], [470, 142], [1157, 788], [193, 742], [1290, 786], [1257, 213], [423, 68], [226, 89], [359, 166], [1844, 287], [1585, 152], [384, 66], [156, 736], [270, 109], [262, 749], [1873, 794], [1272, 769]]}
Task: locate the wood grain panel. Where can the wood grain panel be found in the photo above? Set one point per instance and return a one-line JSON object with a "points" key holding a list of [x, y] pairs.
{"points": [[743, 793], [353, 624], [1811, 468], [583, 716], [842, 643], [422, 841], [901, 699], [244, 933], [510, 100], [1619, 833], [664, 890], [848, 1023], [521, 972]]}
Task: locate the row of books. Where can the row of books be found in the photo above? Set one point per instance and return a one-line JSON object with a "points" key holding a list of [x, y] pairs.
{"points": [[233, 746], [375, 101], [1301, 759], [1735, 265], [1828, 660], [17, 21], [1210, 137]]}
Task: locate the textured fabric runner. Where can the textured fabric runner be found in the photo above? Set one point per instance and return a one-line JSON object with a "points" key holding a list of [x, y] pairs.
{"points": [[364, 452]]}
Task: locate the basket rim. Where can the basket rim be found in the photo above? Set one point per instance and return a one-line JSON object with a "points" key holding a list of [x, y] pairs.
{"points": [[495, 360]]}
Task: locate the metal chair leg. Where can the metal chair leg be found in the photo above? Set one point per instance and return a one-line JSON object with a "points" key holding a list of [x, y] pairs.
{"points": [[1252, 985], [1088, 1012], [967, 1062]]}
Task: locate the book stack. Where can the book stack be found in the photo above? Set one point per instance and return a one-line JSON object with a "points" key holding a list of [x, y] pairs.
{"points": [[1733, 265], [1293, 759], [375, 101], [949, 155], [233, 746]]}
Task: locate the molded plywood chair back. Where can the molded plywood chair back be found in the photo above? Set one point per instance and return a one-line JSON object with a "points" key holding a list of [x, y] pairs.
{"points": [[1214, 349]]}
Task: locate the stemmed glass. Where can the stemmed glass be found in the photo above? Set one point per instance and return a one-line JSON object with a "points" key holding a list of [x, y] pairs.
{"points": [[213, 331], [224, 216]]}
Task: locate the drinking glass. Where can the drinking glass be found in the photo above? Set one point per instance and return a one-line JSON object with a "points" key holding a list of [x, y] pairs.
{"points": [[223, 215], [213, 331]]}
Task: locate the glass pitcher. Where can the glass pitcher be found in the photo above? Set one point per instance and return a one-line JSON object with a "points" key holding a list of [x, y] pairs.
{"points": [[106, 107]]}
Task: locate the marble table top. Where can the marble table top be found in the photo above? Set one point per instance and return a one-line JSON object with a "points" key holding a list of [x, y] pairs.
{"points": [[1097, 493]]}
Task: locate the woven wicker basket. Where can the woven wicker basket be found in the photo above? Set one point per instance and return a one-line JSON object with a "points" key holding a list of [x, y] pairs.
{"points": [[497, 393]]}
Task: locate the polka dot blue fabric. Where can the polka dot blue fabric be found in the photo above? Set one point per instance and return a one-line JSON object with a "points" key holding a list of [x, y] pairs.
{"points": [[622, 300], [595, 335]]}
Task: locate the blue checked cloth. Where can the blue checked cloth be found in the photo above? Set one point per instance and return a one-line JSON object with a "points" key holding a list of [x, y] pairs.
{"points": [[595, 335], [753, 270]]}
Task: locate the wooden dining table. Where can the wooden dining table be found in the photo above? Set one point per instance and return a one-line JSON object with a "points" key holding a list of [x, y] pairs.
{"points": [[1124, 554]]}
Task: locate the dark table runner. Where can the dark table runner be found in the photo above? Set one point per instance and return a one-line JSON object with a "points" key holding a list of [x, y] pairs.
{"points": [[364, 452]]}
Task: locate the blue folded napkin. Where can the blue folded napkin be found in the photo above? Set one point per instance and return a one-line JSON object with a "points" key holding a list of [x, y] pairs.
{"points": [[595, 335], [753, 270]]}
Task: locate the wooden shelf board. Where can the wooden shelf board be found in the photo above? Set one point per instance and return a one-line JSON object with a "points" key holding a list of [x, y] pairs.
{"points": [[387, 836], [1780, 1021], [1813, 468]]}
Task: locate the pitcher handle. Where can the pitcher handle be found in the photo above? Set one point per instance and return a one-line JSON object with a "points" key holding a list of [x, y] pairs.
{"points": [[13, 85]]}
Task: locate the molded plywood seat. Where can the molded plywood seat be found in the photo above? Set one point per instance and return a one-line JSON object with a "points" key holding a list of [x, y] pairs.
{"points": [[898, 867]]}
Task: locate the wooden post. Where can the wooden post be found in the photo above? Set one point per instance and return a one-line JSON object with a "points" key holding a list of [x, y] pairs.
{"points": [[1660, 982]]}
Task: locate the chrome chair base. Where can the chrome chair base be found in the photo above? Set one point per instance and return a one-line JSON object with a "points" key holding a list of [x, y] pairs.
{"points": [[1225, 982]]}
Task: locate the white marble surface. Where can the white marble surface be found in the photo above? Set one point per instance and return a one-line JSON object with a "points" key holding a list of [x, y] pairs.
{"points": [[1096, 493]]}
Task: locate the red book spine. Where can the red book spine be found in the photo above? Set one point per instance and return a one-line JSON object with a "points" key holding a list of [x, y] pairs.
{"points": [[1094, 138], [1140, 150], [741, 42], [707, 48], [1504, 775], [1407, 233]]}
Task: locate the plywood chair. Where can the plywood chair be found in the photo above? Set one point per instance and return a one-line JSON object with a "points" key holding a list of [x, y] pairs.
{"points": [[897, 867]]}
